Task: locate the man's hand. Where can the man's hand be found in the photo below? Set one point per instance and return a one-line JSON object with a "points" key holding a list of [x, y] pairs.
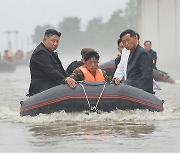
{"points": [[116, 80], [71, 82]]}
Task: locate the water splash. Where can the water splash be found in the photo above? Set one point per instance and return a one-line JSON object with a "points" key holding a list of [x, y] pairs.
{"points": [[8, 115]]}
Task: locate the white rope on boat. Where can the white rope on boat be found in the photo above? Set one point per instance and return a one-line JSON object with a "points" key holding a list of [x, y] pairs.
{"points": [[93, 108]]}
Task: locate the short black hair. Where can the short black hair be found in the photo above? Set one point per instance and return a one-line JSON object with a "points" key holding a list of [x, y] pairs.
{"points": [[84, 50], [50, 32], [119, 41], [138, 36], [128, 31], [147, 42], [91, 54]]}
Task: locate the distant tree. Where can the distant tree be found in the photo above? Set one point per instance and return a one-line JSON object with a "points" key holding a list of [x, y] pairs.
{"points": [[70, 28], [97, 34], [39, 33], [131, 14], [93, 33], [112, 29], [118, 22]]}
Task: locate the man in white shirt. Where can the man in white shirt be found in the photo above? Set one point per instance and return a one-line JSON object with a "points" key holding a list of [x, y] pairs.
{"points": [[139, 68], [120, 73], [120, 48]]}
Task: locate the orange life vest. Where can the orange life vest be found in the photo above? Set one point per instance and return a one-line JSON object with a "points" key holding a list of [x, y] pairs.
{"points": [[99, 77]]}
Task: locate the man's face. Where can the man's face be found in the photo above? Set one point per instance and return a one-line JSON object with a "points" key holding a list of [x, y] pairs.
{"points": [[92, 64], [52, 42], [120, 47], [129, 42], [147, 46]]}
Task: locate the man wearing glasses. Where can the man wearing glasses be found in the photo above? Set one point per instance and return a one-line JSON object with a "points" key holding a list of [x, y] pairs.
{"points": [[139, 66]]}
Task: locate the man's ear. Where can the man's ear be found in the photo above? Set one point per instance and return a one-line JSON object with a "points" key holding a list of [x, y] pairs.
{"points": [[44, 39], [136, 37], [82, 59]]}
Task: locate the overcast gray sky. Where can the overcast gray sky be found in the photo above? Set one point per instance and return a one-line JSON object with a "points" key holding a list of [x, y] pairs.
{"points": [[25, 15]]}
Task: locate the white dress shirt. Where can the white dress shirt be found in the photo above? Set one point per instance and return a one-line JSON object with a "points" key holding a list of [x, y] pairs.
{"points": [[122, 66]]}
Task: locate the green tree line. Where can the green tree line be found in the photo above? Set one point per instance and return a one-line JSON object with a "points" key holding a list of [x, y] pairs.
{"points": [[97, 34]]}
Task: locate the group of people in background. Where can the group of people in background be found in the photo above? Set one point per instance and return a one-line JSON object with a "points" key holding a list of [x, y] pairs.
{"points": [[19, 55], [134, 66]]}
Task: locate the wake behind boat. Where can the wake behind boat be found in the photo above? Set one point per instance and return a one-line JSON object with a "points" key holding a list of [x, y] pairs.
{"points": [[86, 96]]}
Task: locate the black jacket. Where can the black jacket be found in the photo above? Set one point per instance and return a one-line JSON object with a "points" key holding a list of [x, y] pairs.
{"points": [[139, 70], [73, 66], [46, 70], [154, 57], [117, 61]]}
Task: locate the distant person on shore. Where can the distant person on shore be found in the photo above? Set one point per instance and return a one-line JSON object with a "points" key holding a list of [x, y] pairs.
{"points": [[148, 47], [8, 56], [76, 64], [120, 48], [89, 71], [139, 66], [19, 55], [45, 66]]}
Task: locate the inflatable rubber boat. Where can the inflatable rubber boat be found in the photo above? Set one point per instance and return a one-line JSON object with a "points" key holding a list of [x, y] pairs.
{"points": [[109, 67], [94, 96], [162, 76], [158, 75]]}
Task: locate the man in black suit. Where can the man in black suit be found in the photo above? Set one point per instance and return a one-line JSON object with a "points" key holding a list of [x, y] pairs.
{"points": [[148, 47], [45, 66], [139, 67]]}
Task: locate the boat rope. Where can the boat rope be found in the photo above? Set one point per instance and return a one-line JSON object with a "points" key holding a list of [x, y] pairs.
{"points": [[93, 108]]}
